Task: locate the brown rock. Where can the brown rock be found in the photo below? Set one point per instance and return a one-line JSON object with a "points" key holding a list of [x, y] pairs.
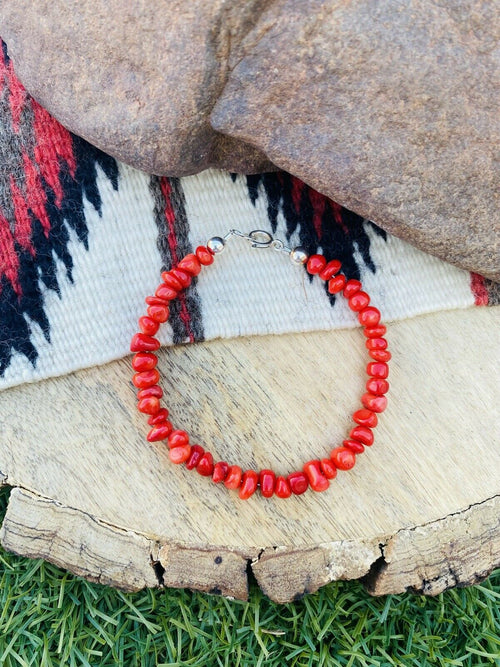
{"points": [[388, 107], [138, 80]]}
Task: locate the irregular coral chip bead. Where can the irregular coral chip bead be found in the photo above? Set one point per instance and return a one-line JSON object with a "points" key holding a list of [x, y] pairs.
{"points": [[282, 487], [351, 287], [220, 471], [298, 482], [160, 431], [177, 438], [267, 480], [315, 264], [363, 434], [204, 255], [182, 276], [359, 301], [160, 416], [377, 386], [179, 454], [380, 355], [171, 281], [166, 293], [317, 481], [379, 370], [375, 332], [328, 469], [155, 301], [376, 344], [337, 284], [149, 405], [191, 264], [374, 402], [158, 313], [205, 466], [365, 417], [143, 343], [146, 378], [354, 446], [343, 458], [330, 269], [144, 361], [148, 326], [155, 390], [249, 483], [369, 316], [233, 477], [194, 458]]}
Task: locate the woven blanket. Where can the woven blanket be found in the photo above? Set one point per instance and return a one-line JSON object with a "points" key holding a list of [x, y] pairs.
{"points": [[83, 239]]}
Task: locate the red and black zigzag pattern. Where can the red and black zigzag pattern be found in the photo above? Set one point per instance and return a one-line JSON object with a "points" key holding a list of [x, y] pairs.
{"points": [[173, 243], [45, 173], [319, 221]]}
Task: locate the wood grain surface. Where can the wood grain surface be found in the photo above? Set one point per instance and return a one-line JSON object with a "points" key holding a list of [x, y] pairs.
{"points": [[420, 509]]}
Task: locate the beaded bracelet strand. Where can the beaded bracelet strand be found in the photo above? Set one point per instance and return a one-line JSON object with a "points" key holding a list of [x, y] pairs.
{"points": [[316, 473]]}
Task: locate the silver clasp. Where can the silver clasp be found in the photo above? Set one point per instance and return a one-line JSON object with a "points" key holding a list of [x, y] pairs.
{"points": [[259, 238]]}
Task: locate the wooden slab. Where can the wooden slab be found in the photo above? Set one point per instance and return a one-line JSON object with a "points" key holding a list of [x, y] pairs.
{"points": [[420, 509]]}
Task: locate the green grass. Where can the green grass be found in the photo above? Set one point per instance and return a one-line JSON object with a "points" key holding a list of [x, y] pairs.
{"points": [[49, 617]]}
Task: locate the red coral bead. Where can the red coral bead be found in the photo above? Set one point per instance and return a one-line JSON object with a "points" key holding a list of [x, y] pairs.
{"points": [[362, 434], [144, 361], [195, 456], [204, 255], [182, 276], [144, 343], [159, 313], [376, 386], [343, 458], [369, 317], [374, 403], [359, 301], [155, 390], [354, 446], [171, 281], [159, 432], [180, 454], [330, 269], [166, 293], [160, 416], [315, 264], [282, 488], [177, 438], [351, 287], [378, 370], [337, 284], [148, 326], [365, 418], [155, 301], [317, 481], [146, 378], [328, 469], [380, 355], [233, 477], [191, 264], [149, 405], [205, 466], [298, 482], [249, 484], [267, 480], [375, 332], [220, 471], [376, 344]]}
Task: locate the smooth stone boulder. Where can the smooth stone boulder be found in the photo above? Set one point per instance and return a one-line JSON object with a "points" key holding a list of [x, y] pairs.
{"points": [[388, 107]]}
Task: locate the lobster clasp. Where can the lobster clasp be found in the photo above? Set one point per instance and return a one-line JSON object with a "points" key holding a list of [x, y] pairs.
{"points": [[258, 238]]}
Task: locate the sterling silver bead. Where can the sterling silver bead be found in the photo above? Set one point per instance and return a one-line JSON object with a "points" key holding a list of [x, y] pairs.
{"points": [[216, 244], [298, 255]]}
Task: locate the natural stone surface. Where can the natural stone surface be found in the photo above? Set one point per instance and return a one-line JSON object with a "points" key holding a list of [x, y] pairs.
{"points": [[390, 107]]}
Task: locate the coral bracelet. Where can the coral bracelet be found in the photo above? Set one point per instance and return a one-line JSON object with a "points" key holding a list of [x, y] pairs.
{"points": [[315, 473]]}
